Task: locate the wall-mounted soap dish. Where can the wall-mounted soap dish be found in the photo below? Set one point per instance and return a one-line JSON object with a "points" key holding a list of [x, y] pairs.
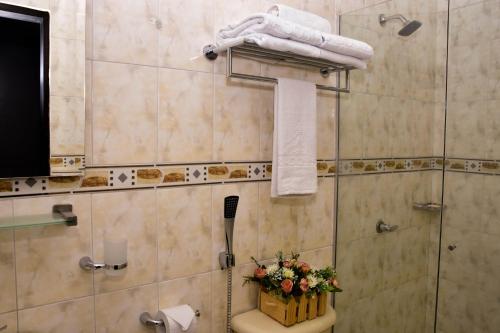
{"points": [[428, 206]]}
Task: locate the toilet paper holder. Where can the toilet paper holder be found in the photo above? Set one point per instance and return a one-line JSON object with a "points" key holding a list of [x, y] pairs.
{"points": [[147, 320]]}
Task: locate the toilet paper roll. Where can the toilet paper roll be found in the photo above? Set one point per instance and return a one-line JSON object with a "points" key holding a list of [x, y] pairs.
{"points": [[177, 319]]}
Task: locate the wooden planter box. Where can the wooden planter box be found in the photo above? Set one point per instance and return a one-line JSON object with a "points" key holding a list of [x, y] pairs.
{"points": [[285, 313], [296, 310]]}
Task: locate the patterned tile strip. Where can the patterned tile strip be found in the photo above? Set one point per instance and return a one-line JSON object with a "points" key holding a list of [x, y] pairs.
{"points": [[126, 177], [68, 165]]}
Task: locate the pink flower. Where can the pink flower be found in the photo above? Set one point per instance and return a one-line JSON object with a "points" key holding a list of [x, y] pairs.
{"points": [[304, 285], [305, 267], [334, 282], [286, 286], [287, 264], [260, 273]]}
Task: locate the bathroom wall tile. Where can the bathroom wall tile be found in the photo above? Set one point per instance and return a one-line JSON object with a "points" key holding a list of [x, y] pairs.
{"points": [[326, 106], [130, 215], [244, 297], [9, 319], [237, 113], [186, 27], [67, 18], [361, 264], [67, 67], [315, 217], [351, 125], [278, 225], [319, 258], [185, 116], [72, 316], [194, 291], [7, 265], [126, 31], [124, 97], [37, 249], [119, 311], [67, 121], [88, 113], [246, 222], [89, 29], [185, 220], [267, 123], [37, 4]]}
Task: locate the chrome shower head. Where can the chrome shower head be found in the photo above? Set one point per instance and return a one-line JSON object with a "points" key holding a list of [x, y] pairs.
{"points": [[409, 27]]}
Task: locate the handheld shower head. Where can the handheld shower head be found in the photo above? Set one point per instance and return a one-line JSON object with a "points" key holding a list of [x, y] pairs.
{"points": [[409, 27], [230, 205]]}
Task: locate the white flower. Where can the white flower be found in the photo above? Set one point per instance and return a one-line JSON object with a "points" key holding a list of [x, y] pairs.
{"points": [[312, 281], [288, 273], [271, 269]]}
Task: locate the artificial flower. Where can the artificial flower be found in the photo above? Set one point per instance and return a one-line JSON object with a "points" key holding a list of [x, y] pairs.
{"points": [[287, 286]]}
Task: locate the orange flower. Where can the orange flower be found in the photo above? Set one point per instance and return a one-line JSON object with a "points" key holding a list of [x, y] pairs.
{"points": [[286, 286], [305, 267], [260, 273], [334, 282], [287, 264]]}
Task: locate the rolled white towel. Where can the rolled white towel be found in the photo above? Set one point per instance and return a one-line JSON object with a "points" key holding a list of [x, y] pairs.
{"points": [[301, 17]]}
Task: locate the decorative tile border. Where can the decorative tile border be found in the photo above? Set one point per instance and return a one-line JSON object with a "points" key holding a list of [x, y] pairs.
{"points": [[370, 166], [153, 176], [488, 167], [149, 176], [67, 165]]}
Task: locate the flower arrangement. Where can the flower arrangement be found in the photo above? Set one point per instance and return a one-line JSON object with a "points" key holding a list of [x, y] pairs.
{"points": [[289, 277]]}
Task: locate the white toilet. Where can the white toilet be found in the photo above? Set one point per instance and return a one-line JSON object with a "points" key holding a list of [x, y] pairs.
{"points": [[255, 321]]}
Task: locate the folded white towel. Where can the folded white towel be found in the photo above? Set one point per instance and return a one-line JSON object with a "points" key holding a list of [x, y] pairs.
{"points": [[294, 139], [301, 17], [286, 45], [274, 26]]}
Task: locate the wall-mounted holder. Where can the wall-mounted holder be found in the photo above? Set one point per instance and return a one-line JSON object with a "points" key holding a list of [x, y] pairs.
{"points": [[115, 258], [147, 320], [428, 206], [61, 214], [226, 260]]}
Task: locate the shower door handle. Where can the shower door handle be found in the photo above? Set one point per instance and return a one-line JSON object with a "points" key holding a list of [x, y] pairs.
{"points": [[384, 227]]}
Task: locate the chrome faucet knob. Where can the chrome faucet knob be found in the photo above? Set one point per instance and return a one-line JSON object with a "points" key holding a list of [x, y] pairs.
{"points": [[384, 227]]}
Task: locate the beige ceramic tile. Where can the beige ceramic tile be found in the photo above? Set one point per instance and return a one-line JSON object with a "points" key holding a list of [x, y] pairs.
{"points": [[71, 316], [7, 268], [315, 217], [351, 123], [246, 221], [244, 297], [89, 29], [185, 116], [238, 110], [67, 67], [130, 215], [124, 98], [267, 123], [194, 291], [119, 311], [184, 217], [126, 31], [67, 125], [326, 106], [278, 223], [88, 113], [47, 257], [187, 27], [9, 319], [67, 18], [319, 258], [36, 4]]}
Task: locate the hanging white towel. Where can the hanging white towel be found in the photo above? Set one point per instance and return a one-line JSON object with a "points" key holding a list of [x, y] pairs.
{"points": [[294, 139], [301, 17]]}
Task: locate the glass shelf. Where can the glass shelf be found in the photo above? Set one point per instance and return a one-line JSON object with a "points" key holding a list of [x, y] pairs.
{"points": [[62, 214]]}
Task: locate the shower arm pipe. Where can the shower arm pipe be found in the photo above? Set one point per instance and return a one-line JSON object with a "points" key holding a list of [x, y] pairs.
{"points": [[383, 19]]}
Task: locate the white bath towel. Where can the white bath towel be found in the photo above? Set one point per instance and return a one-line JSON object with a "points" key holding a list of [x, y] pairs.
{"points": [[276, 27], [294, 140], [286, 45], [301, 17]]}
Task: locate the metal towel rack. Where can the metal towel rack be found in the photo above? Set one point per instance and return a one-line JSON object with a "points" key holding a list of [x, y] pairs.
{"points": [[253, 51]]}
